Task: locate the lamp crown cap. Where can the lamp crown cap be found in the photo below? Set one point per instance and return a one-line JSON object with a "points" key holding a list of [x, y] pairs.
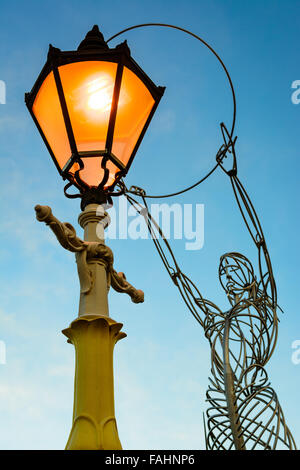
{"points": [[93, 40]]}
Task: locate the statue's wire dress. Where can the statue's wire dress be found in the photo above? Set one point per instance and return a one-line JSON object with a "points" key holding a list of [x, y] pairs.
{"points": [[244, 411]]}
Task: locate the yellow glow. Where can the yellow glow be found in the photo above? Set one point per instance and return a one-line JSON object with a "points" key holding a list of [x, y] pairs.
{"points": [[94, 97], [99, 93]]}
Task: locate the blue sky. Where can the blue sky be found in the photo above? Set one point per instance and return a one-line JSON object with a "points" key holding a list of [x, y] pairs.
{"points": [[161, 368]]}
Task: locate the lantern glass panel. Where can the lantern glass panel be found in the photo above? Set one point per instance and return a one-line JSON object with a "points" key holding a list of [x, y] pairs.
{"points": [[88, 88], [47, 110], [135, 105]]}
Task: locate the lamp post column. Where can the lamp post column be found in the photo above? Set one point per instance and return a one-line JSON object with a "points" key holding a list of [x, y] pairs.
{"points": [[93, 333]]}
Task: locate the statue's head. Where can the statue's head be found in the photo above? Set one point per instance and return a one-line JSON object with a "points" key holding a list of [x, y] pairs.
{"points": [[237, 276]]}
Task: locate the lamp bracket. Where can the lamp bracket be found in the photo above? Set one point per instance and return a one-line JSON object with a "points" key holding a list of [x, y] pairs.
{"points": [[86, 252]]}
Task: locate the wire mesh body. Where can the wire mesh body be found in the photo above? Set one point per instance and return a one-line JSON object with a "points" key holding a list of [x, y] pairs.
{"points": [[244, 411]]}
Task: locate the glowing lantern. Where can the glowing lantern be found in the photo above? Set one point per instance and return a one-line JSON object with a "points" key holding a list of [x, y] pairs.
{"points": [[92, 107]]}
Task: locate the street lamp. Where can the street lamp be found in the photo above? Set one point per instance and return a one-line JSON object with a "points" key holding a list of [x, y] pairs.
{"points": [[92, 107]]}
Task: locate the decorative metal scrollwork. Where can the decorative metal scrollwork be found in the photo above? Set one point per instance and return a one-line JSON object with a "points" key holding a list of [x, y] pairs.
{"points": [[85, 251]]}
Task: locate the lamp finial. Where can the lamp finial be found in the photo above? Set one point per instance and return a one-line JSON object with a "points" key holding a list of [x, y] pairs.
{"points": [[93, 40]]}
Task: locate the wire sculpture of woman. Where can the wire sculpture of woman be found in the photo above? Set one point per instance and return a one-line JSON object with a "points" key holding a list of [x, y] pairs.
{"points": [[244, 411]]}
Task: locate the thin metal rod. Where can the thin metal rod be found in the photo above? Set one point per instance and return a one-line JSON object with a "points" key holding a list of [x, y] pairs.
{"points": [[165, 25], [65, 111], [114, 108]]}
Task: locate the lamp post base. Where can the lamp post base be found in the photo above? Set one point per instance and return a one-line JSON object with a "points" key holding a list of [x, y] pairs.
{"points": [[94, 423]]}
